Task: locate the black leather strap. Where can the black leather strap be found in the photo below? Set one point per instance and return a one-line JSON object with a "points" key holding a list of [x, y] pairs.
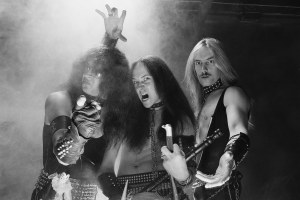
{"points": [[239, 146], [60, 122]]}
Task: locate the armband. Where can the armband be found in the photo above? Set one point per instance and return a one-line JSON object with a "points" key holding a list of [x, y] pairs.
{"points": [[238, 145], [60, 122]]}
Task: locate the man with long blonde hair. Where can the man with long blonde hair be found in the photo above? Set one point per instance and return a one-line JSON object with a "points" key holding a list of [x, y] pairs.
{"points": [[218, 104]]}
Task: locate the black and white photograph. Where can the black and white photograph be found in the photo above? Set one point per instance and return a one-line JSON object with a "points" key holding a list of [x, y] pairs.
{"points": [[149, 99]]}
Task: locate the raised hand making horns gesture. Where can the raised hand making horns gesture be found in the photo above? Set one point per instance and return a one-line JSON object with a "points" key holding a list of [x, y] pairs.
{"points": [[113, 23]]}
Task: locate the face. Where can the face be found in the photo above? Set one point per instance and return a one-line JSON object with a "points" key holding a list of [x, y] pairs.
{"points": [[91, 81], [205, 66], [145, 86]]}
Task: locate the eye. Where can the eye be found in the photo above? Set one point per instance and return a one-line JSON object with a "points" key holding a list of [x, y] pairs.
{"points": [[98, 75], [146, 78], [135, 83], [198, 62], [211, 61]]}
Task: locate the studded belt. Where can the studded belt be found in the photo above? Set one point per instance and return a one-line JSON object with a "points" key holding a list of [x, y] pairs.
{"points": [[136, 182], [43, 180]]}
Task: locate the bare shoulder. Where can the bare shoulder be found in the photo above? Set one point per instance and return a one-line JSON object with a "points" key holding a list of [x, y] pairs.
{"points": [[235, 95], [60, 97], [57, 104]]}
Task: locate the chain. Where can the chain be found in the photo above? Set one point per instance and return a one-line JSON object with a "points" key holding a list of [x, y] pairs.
{"points": [[154, 153]]}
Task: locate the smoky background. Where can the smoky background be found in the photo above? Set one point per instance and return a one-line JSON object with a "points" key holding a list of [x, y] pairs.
{"points": [[39, 41]]}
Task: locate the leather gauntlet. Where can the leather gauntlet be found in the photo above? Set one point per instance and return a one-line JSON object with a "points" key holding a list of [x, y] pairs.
{"points": [[238, 145], [67, 144]]}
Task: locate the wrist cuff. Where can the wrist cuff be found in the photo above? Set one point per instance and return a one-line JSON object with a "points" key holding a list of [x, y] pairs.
{"points": [[238, 145], [60, 122], [187, 181]]}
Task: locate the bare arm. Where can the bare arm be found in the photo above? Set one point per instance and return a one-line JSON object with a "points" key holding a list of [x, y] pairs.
{"points": [[57, 104], [58, 111], [237, 108], [71, 130]]}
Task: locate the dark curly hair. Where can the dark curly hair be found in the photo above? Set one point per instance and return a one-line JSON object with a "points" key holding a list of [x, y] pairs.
{"points": [[115, 85]]}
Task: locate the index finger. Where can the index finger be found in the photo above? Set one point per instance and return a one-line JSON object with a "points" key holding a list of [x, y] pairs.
{"points": [[122, 17], [108, 9], [176, 149]]}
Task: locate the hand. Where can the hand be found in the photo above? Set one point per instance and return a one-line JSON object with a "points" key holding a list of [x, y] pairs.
{"points": [[223, 173], [87, 120], [113, 23], [175, 163]]}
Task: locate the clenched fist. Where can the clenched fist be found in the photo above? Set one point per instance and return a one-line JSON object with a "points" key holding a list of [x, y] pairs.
{"points": [[87, 119]]}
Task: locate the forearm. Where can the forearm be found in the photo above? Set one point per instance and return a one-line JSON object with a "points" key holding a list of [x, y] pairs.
{"points": [[238, 146], [67, 144], [108, 41]]}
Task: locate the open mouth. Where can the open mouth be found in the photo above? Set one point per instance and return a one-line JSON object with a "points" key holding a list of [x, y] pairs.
{"points": [[145, 97]]}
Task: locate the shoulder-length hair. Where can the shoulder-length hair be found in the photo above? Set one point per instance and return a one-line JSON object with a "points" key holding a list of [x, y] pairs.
{"points": [[227, 72], [177, 110]]}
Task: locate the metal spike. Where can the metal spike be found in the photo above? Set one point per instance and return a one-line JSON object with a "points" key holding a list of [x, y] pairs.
{"points": [[125, 191]]}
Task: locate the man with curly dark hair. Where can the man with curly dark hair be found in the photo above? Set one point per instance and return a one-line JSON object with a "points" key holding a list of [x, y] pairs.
{"points": [[85, 117]]}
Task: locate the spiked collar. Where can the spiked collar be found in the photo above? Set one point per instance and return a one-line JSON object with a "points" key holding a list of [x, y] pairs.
{"points": [[209, 89]]}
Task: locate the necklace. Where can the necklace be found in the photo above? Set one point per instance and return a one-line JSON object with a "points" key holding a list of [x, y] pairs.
{"points": [[156, 106], [209, 89], [155, 155]]}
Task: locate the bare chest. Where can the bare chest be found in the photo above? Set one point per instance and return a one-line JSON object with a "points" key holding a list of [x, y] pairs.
{"points": [[206, 114], [136, 161]]}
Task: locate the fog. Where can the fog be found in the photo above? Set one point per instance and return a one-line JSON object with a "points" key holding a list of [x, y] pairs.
{"points": [[39, 41]]}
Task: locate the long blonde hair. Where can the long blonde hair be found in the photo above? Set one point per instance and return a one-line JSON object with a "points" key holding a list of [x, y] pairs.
{"points": [[227, 74]]}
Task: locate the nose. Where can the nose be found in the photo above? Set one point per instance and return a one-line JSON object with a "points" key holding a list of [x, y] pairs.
{"points": [[140, 85], [204, 67]]}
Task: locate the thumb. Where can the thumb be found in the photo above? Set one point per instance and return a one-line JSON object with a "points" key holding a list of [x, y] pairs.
{"points": [[123, 38], [80, 102]]}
